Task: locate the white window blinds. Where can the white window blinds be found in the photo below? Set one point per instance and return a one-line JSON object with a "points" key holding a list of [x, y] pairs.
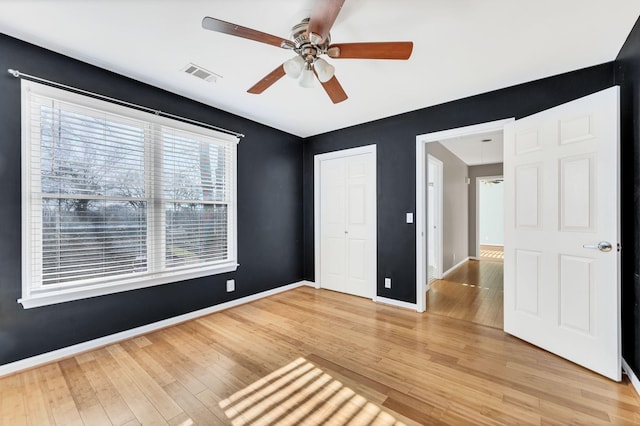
{"points": [[118, 199]]}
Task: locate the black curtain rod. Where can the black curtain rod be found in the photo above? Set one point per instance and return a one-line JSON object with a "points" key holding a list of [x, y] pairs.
{"points": [[19, 74]]}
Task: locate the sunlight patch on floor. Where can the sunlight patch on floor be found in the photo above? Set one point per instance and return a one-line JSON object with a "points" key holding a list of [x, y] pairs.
{"points": [[301, 393]]}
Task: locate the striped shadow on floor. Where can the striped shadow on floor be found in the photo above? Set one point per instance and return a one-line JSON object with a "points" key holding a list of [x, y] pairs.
{"points": [[301, 393]]}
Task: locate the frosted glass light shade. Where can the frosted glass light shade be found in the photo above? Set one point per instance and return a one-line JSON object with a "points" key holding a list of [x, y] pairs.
{"points": [[307, 78], [324, 69], [293, 67]]}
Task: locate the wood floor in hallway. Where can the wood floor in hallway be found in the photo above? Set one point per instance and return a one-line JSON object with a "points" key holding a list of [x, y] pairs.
{"points": [[472, 292], [488, 252]]}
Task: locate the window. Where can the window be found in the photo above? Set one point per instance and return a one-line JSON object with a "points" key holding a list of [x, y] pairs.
{"points": [[116, 199]]}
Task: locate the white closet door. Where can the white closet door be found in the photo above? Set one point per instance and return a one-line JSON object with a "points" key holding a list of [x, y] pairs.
{"points": [[347, 225]]}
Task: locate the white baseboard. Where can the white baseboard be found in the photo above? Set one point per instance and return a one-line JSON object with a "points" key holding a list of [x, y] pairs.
{"points": [[457, 265], [34, 361], [378, 299], [632, 376], [397, 303]]}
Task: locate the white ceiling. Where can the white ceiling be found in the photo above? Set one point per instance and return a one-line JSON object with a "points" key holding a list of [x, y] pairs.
{"points": [[481, 148], [461, 48]]}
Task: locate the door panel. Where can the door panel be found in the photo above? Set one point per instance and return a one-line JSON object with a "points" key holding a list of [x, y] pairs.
{"points": [[576, 301], [528, 195], [527, 280], [577, 193], [561, 199], [332, 208]]}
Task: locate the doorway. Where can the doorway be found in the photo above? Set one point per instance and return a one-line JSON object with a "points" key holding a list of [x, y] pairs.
{"points": [[474, 290], [471, 287], [490, 217], [562, 272], [460, 254]]}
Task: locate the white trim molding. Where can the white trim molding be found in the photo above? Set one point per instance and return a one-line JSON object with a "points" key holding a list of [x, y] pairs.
{"points": [[631, 375], [396, 303], [454, 267], [35, 361]]}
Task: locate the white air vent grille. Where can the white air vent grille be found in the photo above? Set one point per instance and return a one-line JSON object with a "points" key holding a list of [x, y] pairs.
{"points": [[201, 73]]}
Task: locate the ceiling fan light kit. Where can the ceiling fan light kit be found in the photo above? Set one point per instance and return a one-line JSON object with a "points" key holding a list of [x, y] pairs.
{"points": [[324, 70], [309, 40], [307, 78], [294, 66]]}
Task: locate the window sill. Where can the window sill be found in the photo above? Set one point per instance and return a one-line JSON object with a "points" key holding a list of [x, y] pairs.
{"points": [[46, 297]]}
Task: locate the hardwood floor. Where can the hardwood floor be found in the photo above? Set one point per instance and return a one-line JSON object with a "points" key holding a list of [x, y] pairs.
{"points": [[473, 292], [312, 356], [491, 252]]}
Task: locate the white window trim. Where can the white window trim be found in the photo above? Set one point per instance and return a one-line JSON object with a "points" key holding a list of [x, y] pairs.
{"points": [[34, 297]]}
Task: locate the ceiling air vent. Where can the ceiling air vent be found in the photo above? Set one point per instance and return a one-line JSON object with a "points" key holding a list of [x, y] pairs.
{"points": [[201, 73]]}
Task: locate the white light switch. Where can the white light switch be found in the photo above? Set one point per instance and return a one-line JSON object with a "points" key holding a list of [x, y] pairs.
{"points": [[409, 217], [231, 285]]}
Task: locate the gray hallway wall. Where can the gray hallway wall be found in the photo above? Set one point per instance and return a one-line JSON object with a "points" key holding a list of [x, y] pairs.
{"points": [[455, 217]]}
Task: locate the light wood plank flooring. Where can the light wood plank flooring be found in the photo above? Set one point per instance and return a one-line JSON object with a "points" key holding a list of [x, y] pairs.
{"points": [[312, 356], [472, 292], [490, 252]]}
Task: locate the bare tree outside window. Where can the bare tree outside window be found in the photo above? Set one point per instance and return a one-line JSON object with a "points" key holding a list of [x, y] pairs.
{"points": [[196, 217], [87, 163]]}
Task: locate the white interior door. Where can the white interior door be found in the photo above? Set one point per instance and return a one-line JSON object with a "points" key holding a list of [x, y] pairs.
{"points": [[347, 225], [434, 218], [561, 266]]}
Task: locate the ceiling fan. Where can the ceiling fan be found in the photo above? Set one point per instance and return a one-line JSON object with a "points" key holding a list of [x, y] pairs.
{"points": [[310, 39]]}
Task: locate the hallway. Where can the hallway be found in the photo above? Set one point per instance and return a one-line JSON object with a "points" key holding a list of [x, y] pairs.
{"points": [[473, 292]]}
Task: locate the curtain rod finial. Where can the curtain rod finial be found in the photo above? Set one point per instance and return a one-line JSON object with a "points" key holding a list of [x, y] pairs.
{"points": [[14, 73]]}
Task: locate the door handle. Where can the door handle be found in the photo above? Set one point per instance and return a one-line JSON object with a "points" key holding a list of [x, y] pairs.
{"points": [[602, 246]]}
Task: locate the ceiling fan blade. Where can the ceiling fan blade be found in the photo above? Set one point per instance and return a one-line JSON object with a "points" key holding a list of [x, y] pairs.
{"points": [[334, 90], [214, 24], [267, 81], [323, 16], [375, 50]]}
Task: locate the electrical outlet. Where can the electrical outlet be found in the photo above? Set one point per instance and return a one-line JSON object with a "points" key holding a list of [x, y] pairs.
{"points": [[231, 285], [387, 283]]}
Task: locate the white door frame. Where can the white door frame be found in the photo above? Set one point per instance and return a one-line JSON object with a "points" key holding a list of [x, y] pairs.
{"points": [[478, 179], [440, 200], [421, 210], [368, 149]]}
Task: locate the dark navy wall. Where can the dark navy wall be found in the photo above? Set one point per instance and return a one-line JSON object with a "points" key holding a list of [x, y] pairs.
{"points": [[395, 138], [275, 196], [627, 75], [269, 215]]}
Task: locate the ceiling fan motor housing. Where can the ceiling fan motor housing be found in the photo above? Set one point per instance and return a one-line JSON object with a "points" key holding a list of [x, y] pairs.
{"points": [[304, 46]]}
